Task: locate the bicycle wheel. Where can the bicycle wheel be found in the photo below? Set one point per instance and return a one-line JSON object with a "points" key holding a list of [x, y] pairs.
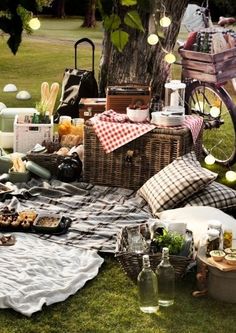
{"points": [[219, 114]]}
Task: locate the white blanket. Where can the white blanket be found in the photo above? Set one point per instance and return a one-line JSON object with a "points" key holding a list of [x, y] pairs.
{"points": [[34, 272]]}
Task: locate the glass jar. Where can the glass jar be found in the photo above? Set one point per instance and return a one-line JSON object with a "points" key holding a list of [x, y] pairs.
{"points": [[64, 126], [217, 225], [175, 93], [213, 241], [77, 127], [227, 238]]}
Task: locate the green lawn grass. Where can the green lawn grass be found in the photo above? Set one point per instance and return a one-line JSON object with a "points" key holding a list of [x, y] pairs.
{"points": [[108, 303]]}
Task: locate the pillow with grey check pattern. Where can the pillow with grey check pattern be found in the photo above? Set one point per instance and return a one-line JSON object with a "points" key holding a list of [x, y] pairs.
{"points": [[176, 182], [215, 195]]}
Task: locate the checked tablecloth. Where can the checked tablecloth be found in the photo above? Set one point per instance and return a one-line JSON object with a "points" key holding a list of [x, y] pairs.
{"points": [[115, 130]]}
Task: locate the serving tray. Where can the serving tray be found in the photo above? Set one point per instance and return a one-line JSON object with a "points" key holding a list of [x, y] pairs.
{"points": [[27, 224]]}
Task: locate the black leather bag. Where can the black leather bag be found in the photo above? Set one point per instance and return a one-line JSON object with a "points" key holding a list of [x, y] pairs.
{"points": [[76, 84]]}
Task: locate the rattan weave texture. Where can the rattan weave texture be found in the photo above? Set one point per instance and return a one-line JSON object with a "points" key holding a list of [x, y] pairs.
{"points": [[131, 262], [131, 165]]}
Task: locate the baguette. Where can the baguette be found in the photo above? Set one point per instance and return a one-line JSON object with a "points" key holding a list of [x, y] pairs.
{"points": [[44, 92], [52, 97]]}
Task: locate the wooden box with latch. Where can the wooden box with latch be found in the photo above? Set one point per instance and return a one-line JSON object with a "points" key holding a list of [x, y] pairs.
{"points": [[88, 107], [131, 165]]}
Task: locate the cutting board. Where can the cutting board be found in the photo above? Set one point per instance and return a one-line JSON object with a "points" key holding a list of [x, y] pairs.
{"points": [[222, 265]]}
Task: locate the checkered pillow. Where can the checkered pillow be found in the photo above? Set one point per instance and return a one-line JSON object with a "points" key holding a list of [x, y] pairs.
{"points": [[215, 195], [176, 182]]}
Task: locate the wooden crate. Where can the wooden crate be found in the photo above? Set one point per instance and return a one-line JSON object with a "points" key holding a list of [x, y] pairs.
{"points": [[131, 165], [207, 67]]}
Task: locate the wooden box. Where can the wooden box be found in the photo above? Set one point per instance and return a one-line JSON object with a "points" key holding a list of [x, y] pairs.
{"points": [[207, 67], [88, 107], [131, 165], [119, 97]]}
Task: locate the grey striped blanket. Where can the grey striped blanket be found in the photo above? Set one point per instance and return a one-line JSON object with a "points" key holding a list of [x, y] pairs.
{"points": [[97, 212]]}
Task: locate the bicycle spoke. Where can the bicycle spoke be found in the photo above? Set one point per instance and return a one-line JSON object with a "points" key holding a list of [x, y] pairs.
{"points": [[216, 109]]}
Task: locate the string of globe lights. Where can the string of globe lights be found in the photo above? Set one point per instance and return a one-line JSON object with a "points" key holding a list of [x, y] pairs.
{"points": [[210, 160], [154, 38], [34, 23], [230, 175]]}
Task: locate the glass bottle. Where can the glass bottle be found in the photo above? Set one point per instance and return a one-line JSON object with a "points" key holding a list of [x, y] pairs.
{"points": [[147, 287], [166, 280]]}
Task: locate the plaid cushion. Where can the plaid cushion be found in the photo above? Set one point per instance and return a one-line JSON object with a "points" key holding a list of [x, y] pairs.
{"points": [[176, 182], [215, 195]]}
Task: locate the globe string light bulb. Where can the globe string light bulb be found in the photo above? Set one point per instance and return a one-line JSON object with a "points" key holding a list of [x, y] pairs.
{"points": [[209, 159], [152, 39], [165, 21], [34, 23], [170, 58], [230, 176], [215, 112]]}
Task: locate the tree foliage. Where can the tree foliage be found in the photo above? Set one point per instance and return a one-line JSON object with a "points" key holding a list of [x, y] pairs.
{"points": [[118, 19], [14, 17]]}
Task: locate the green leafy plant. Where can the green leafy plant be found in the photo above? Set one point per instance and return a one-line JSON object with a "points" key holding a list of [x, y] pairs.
{"points": [[172, 240], [116, 23]]}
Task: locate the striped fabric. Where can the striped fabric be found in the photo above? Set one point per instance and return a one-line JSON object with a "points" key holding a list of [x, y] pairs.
{"points": [[215, 195], [176, 182]]}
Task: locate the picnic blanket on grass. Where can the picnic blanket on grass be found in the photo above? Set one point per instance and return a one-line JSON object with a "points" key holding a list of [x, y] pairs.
{"points": [[97, 212], [44, 269], [35, 272]]}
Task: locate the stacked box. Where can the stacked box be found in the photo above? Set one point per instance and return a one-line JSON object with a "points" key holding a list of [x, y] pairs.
{"points": [[27, 135]]}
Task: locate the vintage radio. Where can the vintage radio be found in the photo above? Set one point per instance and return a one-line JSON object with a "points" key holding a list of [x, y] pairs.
{"points": [[88, 107], [121, 96]]}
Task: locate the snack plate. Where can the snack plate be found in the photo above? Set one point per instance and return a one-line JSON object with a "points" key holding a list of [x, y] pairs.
{"points": [[62, 228]]}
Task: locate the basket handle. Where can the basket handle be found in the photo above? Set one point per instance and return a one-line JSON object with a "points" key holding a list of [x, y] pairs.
{"points": [[87, 40]]}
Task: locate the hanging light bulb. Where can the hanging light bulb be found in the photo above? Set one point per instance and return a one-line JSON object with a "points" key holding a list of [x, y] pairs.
{"points": [[170, 58], [34, 23], [152, 39], [165, 21], [209, 159], [230, 176], [215, 111]]}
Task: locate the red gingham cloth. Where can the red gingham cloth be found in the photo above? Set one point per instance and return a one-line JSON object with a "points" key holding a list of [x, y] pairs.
{"points": [[194, 123], [115, 130]]}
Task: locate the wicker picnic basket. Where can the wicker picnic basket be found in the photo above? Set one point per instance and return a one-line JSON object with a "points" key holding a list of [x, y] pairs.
{"points": [[48, 161], [131, 165], [131, 262]]}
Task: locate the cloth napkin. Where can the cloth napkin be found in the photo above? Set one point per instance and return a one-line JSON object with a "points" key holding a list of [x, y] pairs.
{"points": [[115, 130], [194, 123]]}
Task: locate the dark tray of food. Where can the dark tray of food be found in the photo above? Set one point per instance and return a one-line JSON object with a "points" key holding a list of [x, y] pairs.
{"points": [[51, 223], [30, 221]]}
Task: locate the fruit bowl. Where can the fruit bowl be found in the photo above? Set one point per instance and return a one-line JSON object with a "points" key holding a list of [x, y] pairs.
{"points": [[217, 255], [137, 115]]}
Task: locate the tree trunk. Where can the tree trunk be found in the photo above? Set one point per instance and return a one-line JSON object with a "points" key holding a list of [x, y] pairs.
{"points": [[140, 62], [90, 19], [59, 6]]}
